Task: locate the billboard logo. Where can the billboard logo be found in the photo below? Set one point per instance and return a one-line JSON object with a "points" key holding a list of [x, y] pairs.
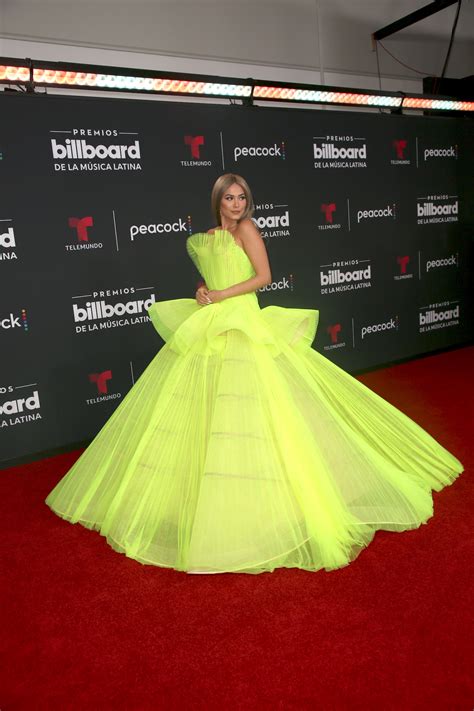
{"points": [[436, 316], [20, 410], [76, 149], [340, 276], [99, 309], [7, 239], [7, 242], [435, 209], [275, 222], [339, 152], [81, 153]]}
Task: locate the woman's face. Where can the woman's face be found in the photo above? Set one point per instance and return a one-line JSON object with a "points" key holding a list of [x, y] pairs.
{"points": [[233, 203]]}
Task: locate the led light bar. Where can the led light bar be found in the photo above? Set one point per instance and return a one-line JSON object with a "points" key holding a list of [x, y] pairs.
{"points": [[119, 82], [412, 102], [60, 75], [104, 78], [325, 96], [14, 74]]}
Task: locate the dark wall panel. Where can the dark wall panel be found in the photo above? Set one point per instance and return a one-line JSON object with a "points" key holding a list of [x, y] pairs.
{"points": [[366, 217]]}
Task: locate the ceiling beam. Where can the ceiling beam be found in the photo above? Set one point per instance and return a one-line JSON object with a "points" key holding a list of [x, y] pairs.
{"points": [[410, 19]]}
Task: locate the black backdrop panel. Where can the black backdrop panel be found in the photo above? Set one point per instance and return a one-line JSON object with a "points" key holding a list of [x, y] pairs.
{"points": [[366, 217]]}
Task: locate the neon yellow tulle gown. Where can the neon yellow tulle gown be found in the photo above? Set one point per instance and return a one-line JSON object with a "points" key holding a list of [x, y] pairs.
{"points": [[242, 449]]}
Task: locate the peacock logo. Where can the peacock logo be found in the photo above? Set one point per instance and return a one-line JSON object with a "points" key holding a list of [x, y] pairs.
{"points": [[285, 283], [440, 315], [276, 150], [12, 321]]}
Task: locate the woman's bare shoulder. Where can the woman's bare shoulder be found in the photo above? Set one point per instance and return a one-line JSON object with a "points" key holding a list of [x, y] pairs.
{"points": [[248, 229], [212, 230]]}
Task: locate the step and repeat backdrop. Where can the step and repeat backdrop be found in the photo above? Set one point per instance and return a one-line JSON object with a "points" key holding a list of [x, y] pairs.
{"points": [[366, 218]]}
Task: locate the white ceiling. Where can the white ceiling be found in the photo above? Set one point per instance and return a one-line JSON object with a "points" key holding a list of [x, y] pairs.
{"points": [[303, 34]]}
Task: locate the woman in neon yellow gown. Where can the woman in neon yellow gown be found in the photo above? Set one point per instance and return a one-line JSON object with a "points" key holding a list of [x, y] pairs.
{"points": [[240, 448]]}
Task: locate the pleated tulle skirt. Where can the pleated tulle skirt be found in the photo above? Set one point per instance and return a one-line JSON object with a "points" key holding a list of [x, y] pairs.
{"points": [[246, 457]]}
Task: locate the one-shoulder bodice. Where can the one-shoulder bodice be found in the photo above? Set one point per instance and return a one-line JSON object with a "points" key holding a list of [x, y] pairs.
{"points": [[219, 259]]}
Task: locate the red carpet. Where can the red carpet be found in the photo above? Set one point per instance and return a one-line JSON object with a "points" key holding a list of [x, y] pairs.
{"points": [[86, 628]]}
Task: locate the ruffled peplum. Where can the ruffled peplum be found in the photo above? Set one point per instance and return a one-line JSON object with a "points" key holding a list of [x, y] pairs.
{"points": [[186, 325]]}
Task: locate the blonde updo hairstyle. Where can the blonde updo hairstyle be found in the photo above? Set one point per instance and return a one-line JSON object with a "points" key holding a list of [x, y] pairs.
{"points": [[221, 186]]}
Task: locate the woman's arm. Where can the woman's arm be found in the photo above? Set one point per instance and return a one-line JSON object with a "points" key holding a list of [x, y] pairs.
{"points": [[256, 252]]}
